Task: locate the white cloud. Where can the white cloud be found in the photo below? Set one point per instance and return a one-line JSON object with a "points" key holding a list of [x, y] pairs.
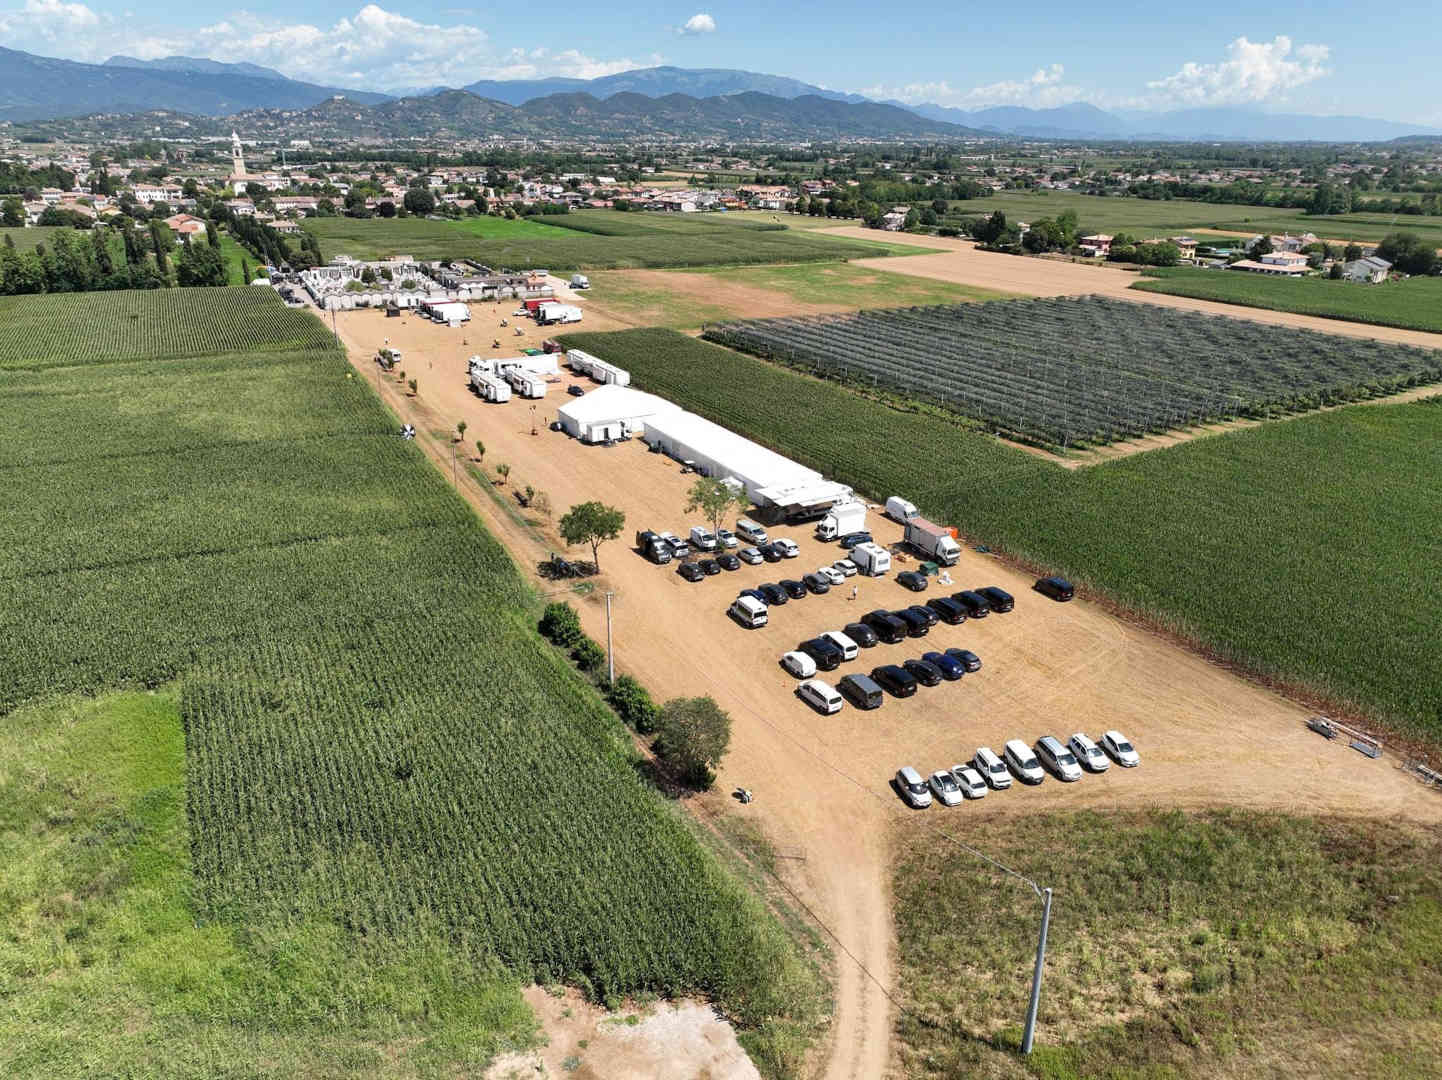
{"points": [[374, 49], [1044, 88], [700, 23], [1253, 72]]}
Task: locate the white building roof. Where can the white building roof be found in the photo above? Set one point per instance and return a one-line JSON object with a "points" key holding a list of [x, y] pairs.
{"points": [[606, 403]]}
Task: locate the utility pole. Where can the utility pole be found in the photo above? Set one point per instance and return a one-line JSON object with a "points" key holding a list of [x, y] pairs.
{"points": [[610, 655], [454, 481], [1036, 974]]}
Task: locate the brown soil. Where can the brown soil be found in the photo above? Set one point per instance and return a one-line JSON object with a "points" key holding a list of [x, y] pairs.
{"points": [[666, 1041], [710, 291], [964, 264], [822, 784]]}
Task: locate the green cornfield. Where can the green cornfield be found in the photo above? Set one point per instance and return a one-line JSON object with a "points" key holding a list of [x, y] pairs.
{"points": [[62, 329], [371, 719], [1301, 549]]}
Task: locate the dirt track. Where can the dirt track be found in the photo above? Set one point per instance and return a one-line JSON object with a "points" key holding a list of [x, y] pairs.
{"points": [[822, 783], [964, 264]]}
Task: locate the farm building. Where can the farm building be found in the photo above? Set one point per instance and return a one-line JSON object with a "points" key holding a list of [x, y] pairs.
{"points": [[611, 412], [781, 489], [1371, 270]]}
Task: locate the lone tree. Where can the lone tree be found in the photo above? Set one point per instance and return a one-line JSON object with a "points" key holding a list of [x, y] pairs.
{"points": [[715, 499], [693, 736], [591, 523], [460, 431], [503, 470], [480, 450]]}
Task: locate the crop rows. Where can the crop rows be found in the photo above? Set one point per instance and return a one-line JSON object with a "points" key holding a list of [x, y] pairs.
{"points": [[1062, 372], [64, 329], [370, 713], [1301, 550]]}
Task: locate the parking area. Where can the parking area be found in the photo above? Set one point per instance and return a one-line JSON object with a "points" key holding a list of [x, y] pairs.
{"points": [[823, 784]]}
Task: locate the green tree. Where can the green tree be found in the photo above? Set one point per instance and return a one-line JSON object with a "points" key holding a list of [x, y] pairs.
{"points": [[1408, 253], [1335, 273], [12, 214], [200, 264], [419, 200], [386, 208], [1351, 253], [415, 389], [694, 734], [480, 450], [591, 523], [503, 471], [715, 499], [460, 431]]}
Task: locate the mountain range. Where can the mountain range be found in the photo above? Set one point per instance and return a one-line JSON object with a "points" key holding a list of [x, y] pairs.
{"points": [[34, 88]]}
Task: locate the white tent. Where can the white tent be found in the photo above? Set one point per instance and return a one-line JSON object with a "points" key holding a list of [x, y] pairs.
{"points": [[610, 412]]}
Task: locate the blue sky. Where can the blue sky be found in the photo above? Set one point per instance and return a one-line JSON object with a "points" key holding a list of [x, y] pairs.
{"points": [[1325, 57]]}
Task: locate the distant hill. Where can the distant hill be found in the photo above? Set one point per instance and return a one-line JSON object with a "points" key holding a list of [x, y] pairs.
{"points": [[1065, 121], [1251, 125], [194, 64], [657, 82], [40, 87]]}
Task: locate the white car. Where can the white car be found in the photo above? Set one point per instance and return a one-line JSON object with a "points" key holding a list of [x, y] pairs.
{"points": [[751, 555], [798, 664], [1058, 759], [970, 781], [1023, 763], [726, 538], [1120, 750], [991, 767], [848, 647], [821, 696], [845, 567], [786, 547], [913, 788], [944, 785], [831, 575], [1088, 753]]}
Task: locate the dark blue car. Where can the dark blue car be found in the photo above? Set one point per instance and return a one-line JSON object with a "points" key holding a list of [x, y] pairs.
{"points": [[950, 667]]}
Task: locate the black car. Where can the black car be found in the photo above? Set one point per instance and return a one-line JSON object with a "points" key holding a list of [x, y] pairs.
{"points": [[850, 540], [710, 567], [794, 588], [816, 583], [948, 610], [690, 571], [967, 658], [827, 656], [1000, 600], [728, 562], [975, 604], [895, 680], [771, 553], [922, 611], [916, 625], [755, 594], [772, 594], [924, 672], [575, 391], [1058, 588], [859, 632], [910, 579], [887, 626]]}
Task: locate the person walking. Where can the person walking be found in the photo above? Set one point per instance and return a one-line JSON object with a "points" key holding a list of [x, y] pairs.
{"points": [[853, 592]]}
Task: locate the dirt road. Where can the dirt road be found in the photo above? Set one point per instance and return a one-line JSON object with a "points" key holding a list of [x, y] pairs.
{"points": [[964, 264], [822, 783]]}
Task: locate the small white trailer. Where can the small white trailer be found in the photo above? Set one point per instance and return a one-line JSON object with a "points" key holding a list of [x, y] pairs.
{"points": [[843, 518], [526, 383], [491, 388], [871, 559]]}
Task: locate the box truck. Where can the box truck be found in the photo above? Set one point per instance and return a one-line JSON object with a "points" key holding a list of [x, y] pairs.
{"points": [[580, 281], [932, 541], [552, 312], [898, 509], [873, 560], [843, 518]]}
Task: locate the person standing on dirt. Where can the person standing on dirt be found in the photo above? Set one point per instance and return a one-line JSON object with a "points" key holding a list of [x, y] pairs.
{"points": [[854, 590]]}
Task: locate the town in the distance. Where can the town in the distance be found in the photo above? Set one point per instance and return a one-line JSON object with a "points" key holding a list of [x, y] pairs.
{"points": [[520, 561]]}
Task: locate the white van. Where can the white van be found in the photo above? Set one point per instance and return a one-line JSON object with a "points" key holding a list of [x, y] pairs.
{"points": [[701, 538], [750, 531], [749, 612], [798, 664], [992, 769], [841, 641], [1023, 762], [898, 509], [1058, 760], [913, 787], [821, 696]]}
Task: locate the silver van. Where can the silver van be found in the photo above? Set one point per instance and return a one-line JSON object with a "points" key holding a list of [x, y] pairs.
{"points": [[750, 531], [1023, 763], [1059, 761]]}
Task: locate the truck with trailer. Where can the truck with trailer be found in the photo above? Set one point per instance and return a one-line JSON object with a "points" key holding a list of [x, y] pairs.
{"points": [[580, 281], [932, 541], [871, 559], [843, 518]]}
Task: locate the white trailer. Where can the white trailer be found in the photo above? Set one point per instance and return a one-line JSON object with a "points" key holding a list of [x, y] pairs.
{"points": [[526, 383], [451, 314], [932, 541], [873, 560], [843, 518], [540, 364], [552, 312], [491, 388]]}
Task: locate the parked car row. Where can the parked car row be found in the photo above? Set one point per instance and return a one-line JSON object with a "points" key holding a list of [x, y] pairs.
{"points": [[1029, 764]]}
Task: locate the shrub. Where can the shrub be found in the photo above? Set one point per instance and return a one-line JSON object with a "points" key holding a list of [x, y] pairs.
{"points": [[561, 624], [588, 655], [634, 705]]}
